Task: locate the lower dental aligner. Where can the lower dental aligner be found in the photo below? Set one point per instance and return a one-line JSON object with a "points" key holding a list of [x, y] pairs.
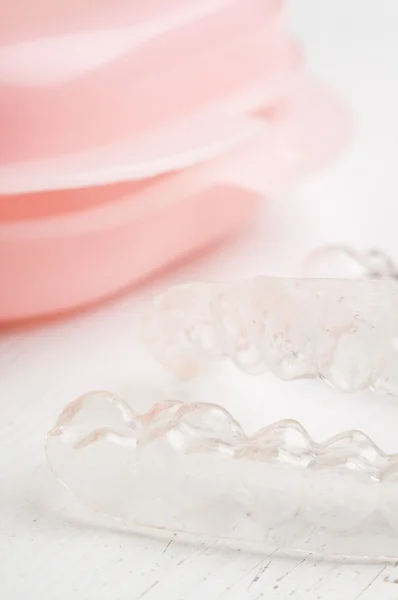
{"points": [[191, 468], [344, 331]]}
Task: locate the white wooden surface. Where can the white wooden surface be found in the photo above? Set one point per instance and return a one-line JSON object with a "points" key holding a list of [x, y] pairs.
{"points": [[49, 548]]}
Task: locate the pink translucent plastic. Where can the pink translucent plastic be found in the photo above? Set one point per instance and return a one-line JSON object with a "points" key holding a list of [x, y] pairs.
{"points": [[136, 133], [134, 74], [79, 258], [124, 232]]}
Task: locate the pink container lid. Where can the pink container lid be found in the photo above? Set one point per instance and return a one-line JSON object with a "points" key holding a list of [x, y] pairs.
{"points": [[73, 82], [187, 141], [46, 18]]}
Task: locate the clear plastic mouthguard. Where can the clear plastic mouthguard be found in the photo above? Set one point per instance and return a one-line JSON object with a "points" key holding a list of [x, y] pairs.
{"points": [[191, 468]]}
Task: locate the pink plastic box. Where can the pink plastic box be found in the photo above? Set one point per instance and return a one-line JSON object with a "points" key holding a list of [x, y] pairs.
{"points": [[135, 133]]}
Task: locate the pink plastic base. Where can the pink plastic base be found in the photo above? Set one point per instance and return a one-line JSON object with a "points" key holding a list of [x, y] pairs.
{"points": [[53, 269]]}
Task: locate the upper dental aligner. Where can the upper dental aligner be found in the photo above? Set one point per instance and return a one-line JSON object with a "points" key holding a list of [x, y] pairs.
{"points": [[342, 330]]}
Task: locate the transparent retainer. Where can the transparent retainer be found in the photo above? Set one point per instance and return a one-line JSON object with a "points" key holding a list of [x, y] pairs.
{"points": [[190, 468], [344, 331]]}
